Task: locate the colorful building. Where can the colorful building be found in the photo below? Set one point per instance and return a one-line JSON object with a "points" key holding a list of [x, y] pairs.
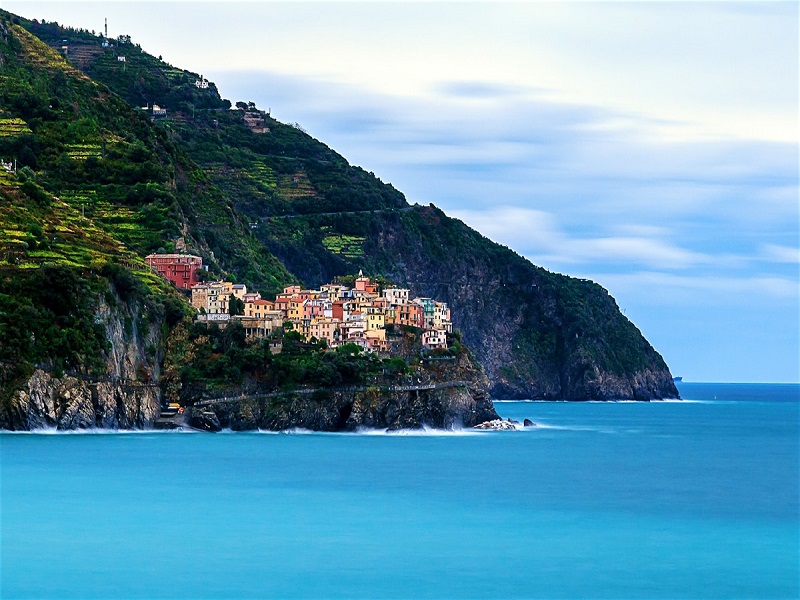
{"points": [[434, 339], [179, 269], [334, 313], [214, 297]]}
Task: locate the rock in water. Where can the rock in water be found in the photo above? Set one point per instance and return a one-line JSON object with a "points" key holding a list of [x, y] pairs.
{"points": [[528, 423], [205, 420]]}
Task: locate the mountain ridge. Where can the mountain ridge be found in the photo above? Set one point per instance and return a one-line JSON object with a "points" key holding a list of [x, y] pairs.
{"points": [[264, 201]]}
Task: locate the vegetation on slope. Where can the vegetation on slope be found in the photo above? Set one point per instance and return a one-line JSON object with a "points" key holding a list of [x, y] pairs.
{"points": [[264, 201], [96, 187], [87, 146]]}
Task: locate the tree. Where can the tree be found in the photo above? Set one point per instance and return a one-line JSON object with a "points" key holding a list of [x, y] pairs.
{"points": [[27, 157], [235, 306], [349, 349]]}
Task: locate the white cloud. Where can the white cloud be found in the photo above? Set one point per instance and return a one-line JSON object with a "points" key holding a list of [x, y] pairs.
{"points": [[537, 234], [637, 250]]}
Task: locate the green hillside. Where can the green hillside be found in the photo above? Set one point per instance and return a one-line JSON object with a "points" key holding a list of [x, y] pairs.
{"points": [[84, 144], [265, 202]]}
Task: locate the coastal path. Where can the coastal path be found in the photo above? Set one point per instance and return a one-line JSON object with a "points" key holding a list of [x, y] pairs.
{"points": [[354, 388]]}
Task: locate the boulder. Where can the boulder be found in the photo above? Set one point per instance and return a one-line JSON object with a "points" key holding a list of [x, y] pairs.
{"points": [[204, 420]]}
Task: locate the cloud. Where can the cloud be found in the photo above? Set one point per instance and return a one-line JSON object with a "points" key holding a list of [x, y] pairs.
{"points": [[639, 250], [659, 288], [538, 235], [564, 183], [782, 254], [478, 90]]}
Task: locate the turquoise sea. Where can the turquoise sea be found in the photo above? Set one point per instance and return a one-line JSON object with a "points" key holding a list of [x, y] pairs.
{"points": [[689, 499]]}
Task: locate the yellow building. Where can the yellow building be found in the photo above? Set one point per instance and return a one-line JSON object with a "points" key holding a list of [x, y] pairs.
{"points": [[376, 320], [326, 329], [295, 310], [334, 291], [258, 308], [376, 340]]}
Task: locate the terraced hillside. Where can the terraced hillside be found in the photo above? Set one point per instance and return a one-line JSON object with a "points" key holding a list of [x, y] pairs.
{"points": [[266, 202], [88, 147]]}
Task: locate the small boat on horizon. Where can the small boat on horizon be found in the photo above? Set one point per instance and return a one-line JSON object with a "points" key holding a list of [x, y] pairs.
{"points": [[677, 379]]}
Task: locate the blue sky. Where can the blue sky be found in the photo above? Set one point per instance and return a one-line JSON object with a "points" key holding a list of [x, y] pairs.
{"points": [[651, 147]]}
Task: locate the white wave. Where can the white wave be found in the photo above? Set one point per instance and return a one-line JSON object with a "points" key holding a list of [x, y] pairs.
{"points": [[578, 402], [564, 427], [368, 431], [552, 426], [96, 431], [528, 401], [685, 401], [433, 432], [423, 432], [299, 431]]}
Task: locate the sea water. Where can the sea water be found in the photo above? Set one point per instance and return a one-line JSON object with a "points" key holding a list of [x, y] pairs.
{"points": [[689, 499]]}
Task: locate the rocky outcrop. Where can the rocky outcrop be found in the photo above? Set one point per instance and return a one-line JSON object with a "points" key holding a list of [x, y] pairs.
{"points": [[133, 342], [351, 409], [440, 392], [68, 402], [203, 420], [126, 396]]}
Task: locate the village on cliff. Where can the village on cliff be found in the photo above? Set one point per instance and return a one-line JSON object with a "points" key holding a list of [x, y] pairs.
{"points": [[335, 313]]}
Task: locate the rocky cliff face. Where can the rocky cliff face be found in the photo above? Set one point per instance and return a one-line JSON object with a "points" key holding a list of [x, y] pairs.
{"points": [[127, 396], [351, 409], [71, 403], [538, 334], [439, 393]]}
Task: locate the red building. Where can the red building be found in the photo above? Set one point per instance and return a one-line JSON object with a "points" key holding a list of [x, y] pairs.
{"points": [[180, 269], [337, 310]]}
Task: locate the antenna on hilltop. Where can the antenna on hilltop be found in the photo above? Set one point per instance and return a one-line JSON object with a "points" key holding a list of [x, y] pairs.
{"points": [[105, 34]]}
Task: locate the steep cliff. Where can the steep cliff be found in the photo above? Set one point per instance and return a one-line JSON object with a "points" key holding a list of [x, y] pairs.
{"points": [[69, 402], [91, 361]]}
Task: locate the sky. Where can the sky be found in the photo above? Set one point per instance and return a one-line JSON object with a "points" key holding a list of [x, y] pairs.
{"points": [[651, 147]]}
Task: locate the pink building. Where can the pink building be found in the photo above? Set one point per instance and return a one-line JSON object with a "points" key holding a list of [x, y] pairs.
{"points": [[179, 269]]}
